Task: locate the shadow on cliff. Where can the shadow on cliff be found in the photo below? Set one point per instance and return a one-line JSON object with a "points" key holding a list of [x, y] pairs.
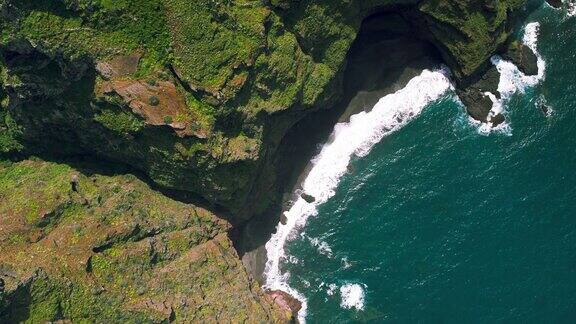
{"points": [[387, 53], [89, 165]]}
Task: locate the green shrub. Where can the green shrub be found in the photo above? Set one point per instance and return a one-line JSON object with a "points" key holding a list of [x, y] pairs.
{"points": [[120, 122]]}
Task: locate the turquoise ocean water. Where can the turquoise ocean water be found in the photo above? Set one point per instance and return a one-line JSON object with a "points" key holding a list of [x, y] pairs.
{"points": [[442, 224]]}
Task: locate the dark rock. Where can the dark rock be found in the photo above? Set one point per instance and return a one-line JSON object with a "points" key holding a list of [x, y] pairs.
{"points": [[2, 288], [74, 183], [283, 219], [478, 105], [545, 109], [497, 119], [523, 57], [308, 198], [555, 3]]}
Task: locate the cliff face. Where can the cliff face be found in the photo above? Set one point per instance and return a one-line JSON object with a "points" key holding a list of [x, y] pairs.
{"points": [[198, 94], [109, 249]]}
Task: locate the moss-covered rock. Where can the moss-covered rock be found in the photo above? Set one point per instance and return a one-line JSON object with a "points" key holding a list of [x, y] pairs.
{"points": [[93, 248]]}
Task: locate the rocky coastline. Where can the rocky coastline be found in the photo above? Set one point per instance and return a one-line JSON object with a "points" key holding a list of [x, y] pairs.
{"points": [[229, 134]]}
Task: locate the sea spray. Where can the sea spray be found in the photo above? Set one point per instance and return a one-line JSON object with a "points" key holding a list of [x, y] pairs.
{"points": [[352, 296], [512, 80], [354, 138]]}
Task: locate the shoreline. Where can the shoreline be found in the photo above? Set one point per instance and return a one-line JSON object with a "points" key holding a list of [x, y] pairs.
{"points": [[363, 100]]}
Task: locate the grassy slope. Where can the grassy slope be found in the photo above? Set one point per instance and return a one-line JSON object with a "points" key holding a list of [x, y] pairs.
{"points": [[114, 250]]}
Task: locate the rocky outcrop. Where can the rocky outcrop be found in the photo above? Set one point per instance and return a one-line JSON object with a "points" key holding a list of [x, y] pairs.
{"points": [[475, 98], [285, 301], [523, 57]]}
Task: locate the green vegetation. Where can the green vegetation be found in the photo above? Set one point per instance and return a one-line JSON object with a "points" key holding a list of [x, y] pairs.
{"points": [[97, 28], [119, 121], [9, 130], [203, 114], [247, 71], [477, 29], [114, 251], [9, 133], [168, 120], [224, 37], [153, 101]]}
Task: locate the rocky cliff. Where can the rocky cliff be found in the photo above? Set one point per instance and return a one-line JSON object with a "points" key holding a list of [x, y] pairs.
{"points": [[199, 95]]}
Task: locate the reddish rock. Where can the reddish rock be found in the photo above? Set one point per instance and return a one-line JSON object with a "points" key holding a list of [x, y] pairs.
{"points": [[285, 301], [168, 101]]}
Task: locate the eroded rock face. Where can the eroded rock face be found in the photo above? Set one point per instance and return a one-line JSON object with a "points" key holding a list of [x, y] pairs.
{"points": [[286, 302]]}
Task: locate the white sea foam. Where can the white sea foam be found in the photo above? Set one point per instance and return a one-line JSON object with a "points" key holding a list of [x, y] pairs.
{"points": [[352, 296], [512, 80], [331, 289], [571, 5], [321, 246], [345, 263], [354, 138]]}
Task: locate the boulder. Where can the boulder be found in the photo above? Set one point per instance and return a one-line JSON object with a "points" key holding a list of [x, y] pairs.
{"points": [[285, 301], [523, 57], [308, 198]]}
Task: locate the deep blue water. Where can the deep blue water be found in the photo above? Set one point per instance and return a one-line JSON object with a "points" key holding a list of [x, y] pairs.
{"points": [[440, 224]]}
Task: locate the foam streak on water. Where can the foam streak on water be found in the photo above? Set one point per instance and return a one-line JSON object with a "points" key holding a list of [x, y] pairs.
{"points": [[512, 80], [354, 138]]}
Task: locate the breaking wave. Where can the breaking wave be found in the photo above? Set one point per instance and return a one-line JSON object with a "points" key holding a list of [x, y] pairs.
{"points": [[355, 138]]}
